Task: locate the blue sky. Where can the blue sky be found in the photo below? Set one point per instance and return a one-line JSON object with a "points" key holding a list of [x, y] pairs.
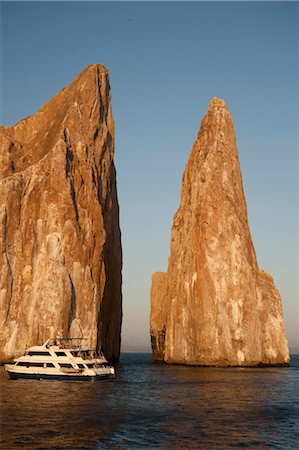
{"points": [[166, 61]]}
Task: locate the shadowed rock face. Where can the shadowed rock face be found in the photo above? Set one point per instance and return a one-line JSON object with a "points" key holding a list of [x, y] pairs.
{"points": [[215, 306], [60, 244]]}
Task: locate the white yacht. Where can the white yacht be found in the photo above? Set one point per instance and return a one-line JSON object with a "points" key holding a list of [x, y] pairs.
{"points": [[61, 359]]}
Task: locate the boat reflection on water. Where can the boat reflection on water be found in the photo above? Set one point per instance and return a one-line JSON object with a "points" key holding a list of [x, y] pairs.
{"points": [[53, 414]]}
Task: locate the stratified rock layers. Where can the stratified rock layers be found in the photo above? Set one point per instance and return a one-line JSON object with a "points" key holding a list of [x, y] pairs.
{"points": [[60, 242], [215, 306]]}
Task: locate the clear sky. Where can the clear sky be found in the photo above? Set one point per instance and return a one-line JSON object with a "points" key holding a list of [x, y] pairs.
{"points": [[166, 61]]}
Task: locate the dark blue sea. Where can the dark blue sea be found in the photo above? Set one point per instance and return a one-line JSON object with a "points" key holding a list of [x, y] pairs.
{"points": [[151, 406]]}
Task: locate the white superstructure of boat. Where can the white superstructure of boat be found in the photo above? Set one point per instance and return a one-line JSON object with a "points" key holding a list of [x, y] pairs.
{"points": [[61, 359]]}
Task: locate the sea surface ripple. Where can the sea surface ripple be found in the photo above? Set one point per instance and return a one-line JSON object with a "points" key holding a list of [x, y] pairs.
{"points": [[154, 406]]}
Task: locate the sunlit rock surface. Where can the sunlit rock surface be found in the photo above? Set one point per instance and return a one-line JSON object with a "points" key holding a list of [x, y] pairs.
{"points": [[60, 244], [215, 306]]}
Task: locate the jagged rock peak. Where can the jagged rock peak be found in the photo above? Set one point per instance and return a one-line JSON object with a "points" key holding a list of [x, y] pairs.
{"points": [[214, 306], [217, 104], [59, 222], [77, 111]]}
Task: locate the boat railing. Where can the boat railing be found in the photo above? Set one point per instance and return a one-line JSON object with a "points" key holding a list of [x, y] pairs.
{"points": [[75, 345], [67, 343]]}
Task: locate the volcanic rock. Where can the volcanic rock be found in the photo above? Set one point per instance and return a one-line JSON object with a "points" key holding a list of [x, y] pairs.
{"points": [[215, 306], [60, 242]]}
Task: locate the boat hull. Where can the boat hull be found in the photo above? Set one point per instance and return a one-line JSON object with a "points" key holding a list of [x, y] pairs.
{"points": [[58, 377]]}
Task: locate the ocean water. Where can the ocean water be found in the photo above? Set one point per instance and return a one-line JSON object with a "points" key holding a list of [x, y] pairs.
{"points": [[151, 406]]}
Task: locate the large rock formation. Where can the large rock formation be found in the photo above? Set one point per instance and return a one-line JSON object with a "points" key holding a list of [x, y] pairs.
{"points": [[215, 306], [60, 242]]}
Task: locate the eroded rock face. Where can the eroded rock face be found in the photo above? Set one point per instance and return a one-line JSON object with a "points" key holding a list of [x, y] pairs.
{"points": [[60, 243], [215, 306]]}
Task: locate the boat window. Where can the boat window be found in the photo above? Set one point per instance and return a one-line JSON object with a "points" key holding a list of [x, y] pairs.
{"points": [[31, 353], [67, 366], [81, 366], [50, 365], [90, 366], [60, 354], [30, 364], [74, 353]]}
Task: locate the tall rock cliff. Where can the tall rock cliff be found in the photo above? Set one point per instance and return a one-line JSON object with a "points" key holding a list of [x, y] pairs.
{"points": [[215, 306], [60, 242]]}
